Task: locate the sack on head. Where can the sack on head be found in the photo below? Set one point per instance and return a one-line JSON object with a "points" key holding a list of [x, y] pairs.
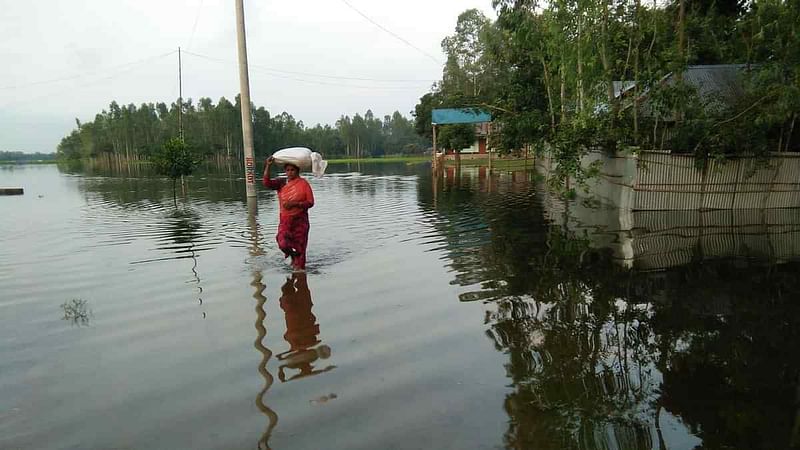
{"points": [[303, 158]]}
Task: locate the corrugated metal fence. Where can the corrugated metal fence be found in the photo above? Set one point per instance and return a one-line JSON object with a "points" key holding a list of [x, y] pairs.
{"points": [[673, 182]]}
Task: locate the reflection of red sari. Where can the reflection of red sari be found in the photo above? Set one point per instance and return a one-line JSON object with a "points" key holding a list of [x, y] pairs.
{"points": [[293, 228], [302, 329]]}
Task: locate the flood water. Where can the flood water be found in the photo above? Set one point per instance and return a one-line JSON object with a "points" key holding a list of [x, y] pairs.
{"points": [[464, 311]]}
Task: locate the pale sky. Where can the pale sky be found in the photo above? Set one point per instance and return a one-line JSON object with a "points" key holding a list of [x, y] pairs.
{"points": [[315, 59]]}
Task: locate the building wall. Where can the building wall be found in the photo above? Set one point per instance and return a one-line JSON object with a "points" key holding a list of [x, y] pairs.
{"points": [[478, 147], [656, 181]]}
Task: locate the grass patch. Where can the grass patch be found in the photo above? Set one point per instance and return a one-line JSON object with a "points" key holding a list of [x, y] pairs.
{"points": [[502, 164]]}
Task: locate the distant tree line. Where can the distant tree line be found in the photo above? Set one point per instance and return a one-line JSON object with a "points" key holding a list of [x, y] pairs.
{"points": [[134, 133], [20, 156], [552, 74]]}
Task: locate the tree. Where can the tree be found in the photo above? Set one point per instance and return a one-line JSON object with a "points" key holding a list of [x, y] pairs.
{"points": [[422, 113], [175, 160], [130, 132], [456, 137], [464, 51]]}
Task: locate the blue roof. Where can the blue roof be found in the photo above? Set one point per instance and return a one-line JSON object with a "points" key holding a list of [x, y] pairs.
{"points": [[459, 115]]}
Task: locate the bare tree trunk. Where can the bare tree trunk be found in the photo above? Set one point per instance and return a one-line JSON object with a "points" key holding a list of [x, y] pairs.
{"points": [[636, 75], [681, 37], [563, 93], [607, 64], [791, 130], [549, 88], [655, 31], [580, 63]]}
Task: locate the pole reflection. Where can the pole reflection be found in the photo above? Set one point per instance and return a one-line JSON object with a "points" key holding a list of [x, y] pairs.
{"points": [[266, 353]]}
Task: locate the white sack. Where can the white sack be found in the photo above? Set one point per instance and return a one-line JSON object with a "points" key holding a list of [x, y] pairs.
{"points": [[303, 158]]}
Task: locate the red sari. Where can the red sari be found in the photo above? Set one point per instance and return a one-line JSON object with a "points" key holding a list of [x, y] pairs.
{"points": [[293, 227]]}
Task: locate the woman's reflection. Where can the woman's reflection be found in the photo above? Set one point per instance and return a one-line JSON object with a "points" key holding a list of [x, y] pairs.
{"points": [[302, 332]]}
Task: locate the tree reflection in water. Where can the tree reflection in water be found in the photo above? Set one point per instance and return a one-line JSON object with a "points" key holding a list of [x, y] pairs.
{"points": [[600, 355], [186, 231]]}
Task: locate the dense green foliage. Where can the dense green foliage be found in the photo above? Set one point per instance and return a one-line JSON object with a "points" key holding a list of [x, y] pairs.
{"points": [[547, 72], [456, 136], [135, 132], [175, 159]]}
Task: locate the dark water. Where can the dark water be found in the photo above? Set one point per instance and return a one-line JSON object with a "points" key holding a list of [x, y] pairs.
{"points": [[459, 312]]}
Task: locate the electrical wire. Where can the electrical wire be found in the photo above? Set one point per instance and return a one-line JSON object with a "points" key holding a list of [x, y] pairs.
{"points": [[256, 70], [436, 60], [326, 83], [336, 77], [84, 75], [129, 67], [194, 27]]}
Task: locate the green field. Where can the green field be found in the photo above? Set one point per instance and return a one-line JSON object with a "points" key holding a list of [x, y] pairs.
{"points": [[502, 164]]}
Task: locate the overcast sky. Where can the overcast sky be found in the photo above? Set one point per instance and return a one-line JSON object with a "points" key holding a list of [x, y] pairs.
{"points": [[316, 59]]}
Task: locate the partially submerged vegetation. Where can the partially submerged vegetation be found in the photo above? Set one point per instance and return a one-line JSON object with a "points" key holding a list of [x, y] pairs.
{"points": [[568, 76], [132, 133], [175, 159]]}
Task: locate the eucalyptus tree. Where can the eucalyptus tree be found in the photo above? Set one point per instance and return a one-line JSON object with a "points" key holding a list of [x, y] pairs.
{"points": [[358, 132], [465, 50], [345, 127]]}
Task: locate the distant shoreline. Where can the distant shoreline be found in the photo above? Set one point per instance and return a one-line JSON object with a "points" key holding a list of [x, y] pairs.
{"points": [[22, 162]]}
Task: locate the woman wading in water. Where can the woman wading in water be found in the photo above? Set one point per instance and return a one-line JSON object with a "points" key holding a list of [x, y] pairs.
{"points": [[295, 197]]}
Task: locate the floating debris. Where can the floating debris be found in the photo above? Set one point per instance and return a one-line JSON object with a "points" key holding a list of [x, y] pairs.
{"points": [[323, 399], [77, 311]]}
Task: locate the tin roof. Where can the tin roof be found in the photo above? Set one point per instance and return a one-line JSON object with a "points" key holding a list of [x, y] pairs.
{"points": [[719, 82], [713, 82], [459, 115]]}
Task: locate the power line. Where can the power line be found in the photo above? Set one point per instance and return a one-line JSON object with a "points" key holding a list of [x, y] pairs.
{"points": [[326, 83], [194, 27], [125, 68], [436, 60], [84, 75], [336, 77]]}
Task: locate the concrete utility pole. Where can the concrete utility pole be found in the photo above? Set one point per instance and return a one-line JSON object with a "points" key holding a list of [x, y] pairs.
{"points": [[244, 97]]}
